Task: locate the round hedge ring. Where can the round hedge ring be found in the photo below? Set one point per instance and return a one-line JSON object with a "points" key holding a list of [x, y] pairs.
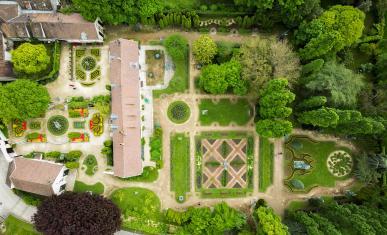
{"points": [[339, 163], [57, 125], [179, 112], [88, 63]]}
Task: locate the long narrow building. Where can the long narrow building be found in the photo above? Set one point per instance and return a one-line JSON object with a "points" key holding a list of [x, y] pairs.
{"points": [[126, 110]]}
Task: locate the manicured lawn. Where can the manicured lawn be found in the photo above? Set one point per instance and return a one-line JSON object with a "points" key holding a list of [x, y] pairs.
{"points": [[318, 151], [180, 165], [81, 187], [266, 163], [179, 82], [224, 112], [91, 164], [141, 210], [15, 226]]}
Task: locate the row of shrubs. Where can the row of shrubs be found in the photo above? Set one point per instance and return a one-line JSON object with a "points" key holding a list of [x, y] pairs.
{"points": [[54, 73], [156, 147], [70, 159]]}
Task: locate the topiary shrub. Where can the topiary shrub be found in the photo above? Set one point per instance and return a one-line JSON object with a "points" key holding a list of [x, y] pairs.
{"points": [[72, 165], [178, 112], [297, 184], [57, 125], [88, 63]]}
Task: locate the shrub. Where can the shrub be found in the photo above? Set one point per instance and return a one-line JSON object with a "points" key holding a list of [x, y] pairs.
{"points": [[72, 165], [88, 63], [95, 74], [34, 125], [80, 74], [28, 198], [29, 59], [297, 184], [80, 52], [177, 47], [53, 155], [74, 114], [74, 135], [33, 135], [73, 155], [107, 150], [95, 52], [178, 112]]}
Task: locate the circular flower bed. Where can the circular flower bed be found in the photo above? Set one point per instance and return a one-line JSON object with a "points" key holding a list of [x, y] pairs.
{"points": [[88, 63], [339, 163], [57, 125], [178, 112]]}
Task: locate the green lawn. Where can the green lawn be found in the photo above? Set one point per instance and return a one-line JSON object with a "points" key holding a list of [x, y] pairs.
{"points": [[266, 163], [224, 112], [141, 210], [81, 187], [149, 174], [91, 163], [15, 226], [179, 82], [180, 165], [319, 174]]}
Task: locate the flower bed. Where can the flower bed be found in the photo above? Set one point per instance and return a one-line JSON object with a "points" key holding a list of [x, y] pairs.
{"points": [[19, 127], [81, 75], [79, 125], [36, 137], [78, 137], [88, 63], [179, 112], [96, 124], [95, 52], [80, 52], [78, 112]]}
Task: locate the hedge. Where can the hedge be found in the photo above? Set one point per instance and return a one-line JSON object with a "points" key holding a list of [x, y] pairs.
{"points": [[53, 75]]}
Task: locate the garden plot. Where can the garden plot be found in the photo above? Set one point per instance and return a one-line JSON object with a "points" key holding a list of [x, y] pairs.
{"points": [[224, 163], [310, 163], [87, 65], [155, 61]]}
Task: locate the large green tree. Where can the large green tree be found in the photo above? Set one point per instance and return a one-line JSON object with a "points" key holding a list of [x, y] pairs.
{"points": [[204, 49], [340, 84], [336, 28], [323, 117], [110, 11], [269, 222], [218, 79], [23, 99], [265, 59], [273, 109], [29, 59], [149, 8]]}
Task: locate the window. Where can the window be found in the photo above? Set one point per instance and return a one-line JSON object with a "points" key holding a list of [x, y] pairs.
{"points": [[66, 172], [62, 188]]}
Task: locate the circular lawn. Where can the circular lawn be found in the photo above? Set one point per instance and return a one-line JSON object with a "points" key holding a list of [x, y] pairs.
{"points": [[57, 125], [179, 112]]}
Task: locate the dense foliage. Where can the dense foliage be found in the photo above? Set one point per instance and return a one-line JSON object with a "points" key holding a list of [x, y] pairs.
{"points": [[29, 59], [273, 109], [204, 49], [77, 213], [23, 99]]}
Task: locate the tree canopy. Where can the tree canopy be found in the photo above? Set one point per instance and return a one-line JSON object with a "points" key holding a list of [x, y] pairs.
{"points": [[265, 59], [23, 99], [77, 213], [204, 49], [336, 28], [269, 222], [176, 46], [29, 59]]}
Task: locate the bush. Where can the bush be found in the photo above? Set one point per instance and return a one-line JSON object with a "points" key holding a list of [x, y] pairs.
{"points": [[74, 114], [297, 184], [73, 155], [29, 198], [80, 74], [177, 47], [72, 165], [74, 135], [107, 150], [33, 136], [53, 155], [34, 125], [29, 59], [156, 147], [179, 112]]}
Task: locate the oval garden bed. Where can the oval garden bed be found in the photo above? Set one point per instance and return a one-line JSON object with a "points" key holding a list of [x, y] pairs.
{"points": [[339, 163], [57, 125], [179, 112]]}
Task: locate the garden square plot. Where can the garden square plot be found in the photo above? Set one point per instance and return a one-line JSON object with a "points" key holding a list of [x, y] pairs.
{"points": [[155, 61], [224, 163], [87, 65]]}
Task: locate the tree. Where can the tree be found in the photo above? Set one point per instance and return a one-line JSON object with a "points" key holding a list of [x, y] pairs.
{"points": [[293, 12], [213, 79], [272, 109], [110, 11], [29, 59], [23, 99], [273, 128], [269, 222], [341, 84], [323, 117], [218, 79], [225, 218], [204, 49], [313, 102], [265, 59], [335, 29], [149, 8], [77, 213], [177, 46], [260, 4]]}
